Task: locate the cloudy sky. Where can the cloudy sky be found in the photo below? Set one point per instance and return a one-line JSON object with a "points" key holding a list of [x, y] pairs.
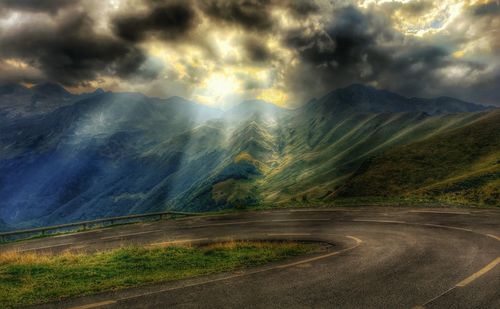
{"points": [[285, 51]]}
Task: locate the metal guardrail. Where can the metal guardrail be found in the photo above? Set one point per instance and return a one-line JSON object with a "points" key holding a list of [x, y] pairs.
{"points": [[88, 225]]}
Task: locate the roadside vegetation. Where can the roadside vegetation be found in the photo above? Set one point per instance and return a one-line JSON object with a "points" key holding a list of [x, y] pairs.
{"points": [[30, 278]]}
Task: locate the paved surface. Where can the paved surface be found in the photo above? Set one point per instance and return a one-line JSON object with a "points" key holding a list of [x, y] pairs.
{"points": [[381, 258]]}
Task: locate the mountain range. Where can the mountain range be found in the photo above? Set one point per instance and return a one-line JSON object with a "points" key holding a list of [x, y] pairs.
{"points": [[66, 157]]}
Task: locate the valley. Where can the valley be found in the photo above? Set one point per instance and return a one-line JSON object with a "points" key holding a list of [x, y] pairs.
{"points": [[108, 154]]}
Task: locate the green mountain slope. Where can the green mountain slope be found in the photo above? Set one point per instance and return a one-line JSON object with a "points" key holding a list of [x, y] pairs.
{"points": [[111, 154], [460, 166], [307, 158], [307, 155]]}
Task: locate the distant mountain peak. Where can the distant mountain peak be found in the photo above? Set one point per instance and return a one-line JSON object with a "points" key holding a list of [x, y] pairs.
{"points": [[99, 91], [358, 87], [367, 99], [50, 89]]}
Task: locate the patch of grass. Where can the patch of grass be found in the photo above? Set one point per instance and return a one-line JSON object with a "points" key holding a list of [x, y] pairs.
{"points": [[29, 278], [460, 166]]}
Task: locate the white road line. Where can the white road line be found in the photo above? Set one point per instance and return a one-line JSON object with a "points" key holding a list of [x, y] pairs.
{"points": [[451, 227], [131, 234], [427, 224], [379, 221], [249, 222], [95, 305], [441, 212]]}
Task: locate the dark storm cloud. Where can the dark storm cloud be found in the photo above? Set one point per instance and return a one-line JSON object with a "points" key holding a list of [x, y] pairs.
{"points": [[254, 15], [303, 8], [167, 20], [492, 8], [345, 50], [71, 52], [250, 14], [350, 38], [359, 47], [332, 45], [50, 6], [256, 50]]}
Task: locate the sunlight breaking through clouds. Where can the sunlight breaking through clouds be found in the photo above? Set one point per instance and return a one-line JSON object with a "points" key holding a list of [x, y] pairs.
{"points": [[218, 52]]}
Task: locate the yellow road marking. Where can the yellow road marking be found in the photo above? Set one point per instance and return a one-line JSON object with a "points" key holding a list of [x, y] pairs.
{"points": [[493, 236], [479, 273], [176, 241], [131, 234], [355, 238], [94, 305], [358, 242]]}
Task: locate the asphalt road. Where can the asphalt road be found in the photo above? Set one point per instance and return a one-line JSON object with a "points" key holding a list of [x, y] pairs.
{"points": [[380, 258]]}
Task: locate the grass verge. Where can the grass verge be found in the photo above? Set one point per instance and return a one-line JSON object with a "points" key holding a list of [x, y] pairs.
{"points": [[27, 279]]}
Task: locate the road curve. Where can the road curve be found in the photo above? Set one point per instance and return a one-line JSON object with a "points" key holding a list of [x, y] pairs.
{"points": [[381, 258]]}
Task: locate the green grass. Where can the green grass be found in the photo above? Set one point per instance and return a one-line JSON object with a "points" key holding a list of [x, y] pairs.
{"points": [[33, 278], [460, 166]]}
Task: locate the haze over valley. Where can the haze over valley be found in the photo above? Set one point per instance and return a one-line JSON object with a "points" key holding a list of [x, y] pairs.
{"points": [[68, 157]]}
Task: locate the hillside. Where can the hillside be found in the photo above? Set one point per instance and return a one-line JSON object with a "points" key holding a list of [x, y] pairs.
{"points": [[18, 101], [313, 150], [457, 166], [111, 154]]}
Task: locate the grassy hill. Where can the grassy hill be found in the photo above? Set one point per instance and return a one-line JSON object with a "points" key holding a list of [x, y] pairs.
{"points": [[456, 166], [112, 154]]}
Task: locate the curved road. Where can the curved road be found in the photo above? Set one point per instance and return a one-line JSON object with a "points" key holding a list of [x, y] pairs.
{"points": [[381, 258]]}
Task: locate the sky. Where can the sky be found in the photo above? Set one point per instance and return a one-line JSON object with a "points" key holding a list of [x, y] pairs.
{"points": [[220, 52]]}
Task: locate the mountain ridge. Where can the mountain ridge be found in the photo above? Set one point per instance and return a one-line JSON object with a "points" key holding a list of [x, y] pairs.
{"points": [[369, 99], [110, 154]]}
